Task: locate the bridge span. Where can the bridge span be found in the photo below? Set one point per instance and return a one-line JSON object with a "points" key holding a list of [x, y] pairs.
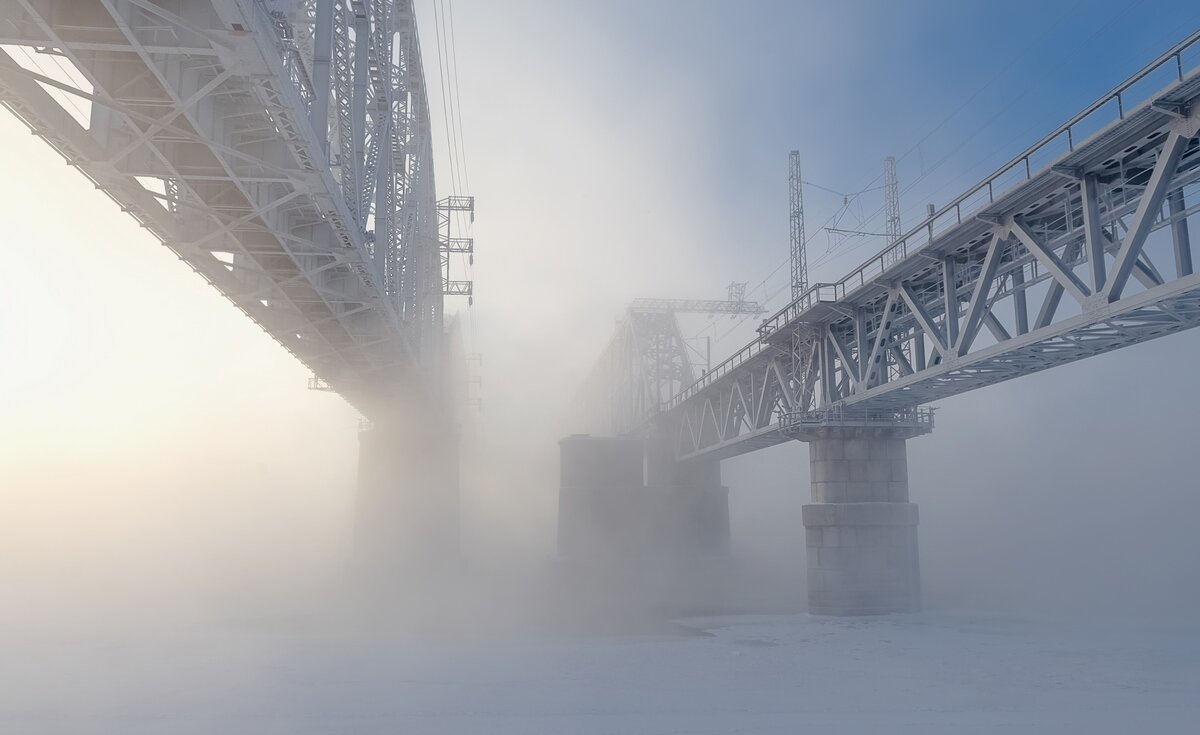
{"points": [[282, 149], [1078, 246]]}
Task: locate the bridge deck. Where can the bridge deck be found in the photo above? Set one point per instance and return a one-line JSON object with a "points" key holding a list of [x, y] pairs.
{"points": [[974, 295]]}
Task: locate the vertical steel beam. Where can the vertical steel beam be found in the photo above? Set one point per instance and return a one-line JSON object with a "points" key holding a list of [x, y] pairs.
{"points": [[383, 218], [862, 346], [1180, 237], [828, 372], [1020, 302], [318, 114], [1093, 235], [362, 43], [950, 290]]}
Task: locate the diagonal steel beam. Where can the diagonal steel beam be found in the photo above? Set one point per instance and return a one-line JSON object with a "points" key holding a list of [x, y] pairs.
{"points": [[843, 353], [868, 367], [1147, 211], [923, 318], [995, 327], [1049, 305], [979, 299], [1062, 274], [898, 355]]}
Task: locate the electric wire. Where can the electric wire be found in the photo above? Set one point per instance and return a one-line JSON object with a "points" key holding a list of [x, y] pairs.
{"points": [[945, 158], [468, 263], [841, 249], [870, 186], [450, 152], [458, 96], [448, 83], [451, 107]]}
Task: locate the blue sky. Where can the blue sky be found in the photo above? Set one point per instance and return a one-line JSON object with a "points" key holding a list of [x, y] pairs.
{"points": [[849, 83]]}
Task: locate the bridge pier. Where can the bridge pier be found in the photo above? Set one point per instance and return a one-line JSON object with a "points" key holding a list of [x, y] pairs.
{"points": [[861, 529], [408, 495], [622, 499]]}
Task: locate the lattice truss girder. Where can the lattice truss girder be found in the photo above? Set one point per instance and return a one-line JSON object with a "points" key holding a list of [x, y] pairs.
{"points": [[220, 127], [644, 364], [1090, 256]]}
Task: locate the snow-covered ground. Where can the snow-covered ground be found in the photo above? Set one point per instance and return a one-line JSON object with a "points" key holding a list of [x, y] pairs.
{"points": [[934, 672]]}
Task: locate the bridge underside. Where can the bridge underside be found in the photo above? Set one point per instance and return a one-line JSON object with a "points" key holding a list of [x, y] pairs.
{"points": [[282, 150], [1162, 310], [214, 124]]}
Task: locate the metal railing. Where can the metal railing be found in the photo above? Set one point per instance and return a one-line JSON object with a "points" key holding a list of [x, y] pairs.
{"points": [[987, 191], [746, 353], [920, 418], [984, 193]]}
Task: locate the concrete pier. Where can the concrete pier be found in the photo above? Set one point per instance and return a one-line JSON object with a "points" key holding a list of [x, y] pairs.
{"points": [[600, 488], [860, 529], [408, 495], [689, 506], [609, 510]]}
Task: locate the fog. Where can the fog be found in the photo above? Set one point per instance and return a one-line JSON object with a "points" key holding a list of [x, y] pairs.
{"points": [[177, 537]]}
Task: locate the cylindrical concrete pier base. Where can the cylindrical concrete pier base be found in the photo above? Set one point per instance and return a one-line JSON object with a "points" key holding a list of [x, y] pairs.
{"points": [[861, 531]]}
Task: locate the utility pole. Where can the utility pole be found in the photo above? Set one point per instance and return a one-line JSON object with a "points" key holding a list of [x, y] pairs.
{"points": [[891, 200], [799, 258]]}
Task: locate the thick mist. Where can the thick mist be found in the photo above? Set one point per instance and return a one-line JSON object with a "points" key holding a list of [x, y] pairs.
{"points": [[177, 511], [191, 469]]}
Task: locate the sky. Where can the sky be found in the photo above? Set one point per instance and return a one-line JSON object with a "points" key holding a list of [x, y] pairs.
{"points": [[149, 431]]}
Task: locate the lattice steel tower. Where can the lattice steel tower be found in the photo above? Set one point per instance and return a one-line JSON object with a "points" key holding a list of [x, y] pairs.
{"points": [[799, 258], [891, 200]]}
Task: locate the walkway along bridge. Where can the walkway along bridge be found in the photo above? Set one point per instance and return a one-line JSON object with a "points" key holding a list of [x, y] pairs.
{"points": [[282, 149], [1078, 246]]}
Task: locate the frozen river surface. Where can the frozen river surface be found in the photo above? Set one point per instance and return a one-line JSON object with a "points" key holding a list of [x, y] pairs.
{"points": [[925, 673]]}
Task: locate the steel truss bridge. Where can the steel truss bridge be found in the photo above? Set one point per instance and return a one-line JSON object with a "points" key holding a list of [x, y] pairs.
{"points": [[281, 148], [647, 359], [1078, 246]]}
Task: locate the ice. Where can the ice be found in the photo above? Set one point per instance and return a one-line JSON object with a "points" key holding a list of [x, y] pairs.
{"points": [[935, 672]]}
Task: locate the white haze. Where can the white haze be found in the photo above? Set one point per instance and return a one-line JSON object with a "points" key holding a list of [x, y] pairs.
{"points": [[177, 507]]}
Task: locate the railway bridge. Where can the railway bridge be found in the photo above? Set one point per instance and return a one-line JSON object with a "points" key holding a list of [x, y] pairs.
{"points": [[1078, 246]]}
